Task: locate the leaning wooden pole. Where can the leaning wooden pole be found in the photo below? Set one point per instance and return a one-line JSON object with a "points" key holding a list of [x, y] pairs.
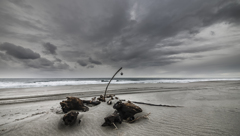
{"points": [[109, 83]]}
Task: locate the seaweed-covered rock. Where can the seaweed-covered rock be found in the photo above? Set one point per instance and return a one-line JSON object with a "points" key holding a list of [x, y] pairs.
{"points": [[73, 103], [127, 110], [70, 118]]}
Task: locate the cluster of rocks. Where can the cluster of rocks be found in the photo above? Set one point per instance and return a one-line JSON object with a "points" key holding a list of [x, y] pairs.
{"points": [[123, 111], [74, 103]]}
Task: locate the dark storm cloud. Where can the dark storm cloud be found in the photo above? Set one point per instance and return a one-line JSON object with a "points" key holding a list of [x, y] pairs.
{"points": [[82, 63], [45, 64], [18, 51], [50, 48], [40, 63], [18, 55], [94, 61]]}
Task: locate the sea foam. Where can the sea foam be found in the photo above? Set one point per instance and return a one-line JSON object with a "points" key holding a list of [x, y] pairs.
{"points": [[28, 82]]}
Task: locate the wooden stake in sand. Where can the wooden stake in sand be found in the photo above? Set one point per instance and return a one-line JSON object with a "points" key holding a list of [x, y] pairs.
{"points": [[156, 104], [109, 83]]}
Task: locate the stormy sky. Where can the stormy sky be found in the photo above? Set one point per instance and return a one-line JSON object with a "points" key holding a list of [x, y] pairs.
{"points": [[94, 38]]}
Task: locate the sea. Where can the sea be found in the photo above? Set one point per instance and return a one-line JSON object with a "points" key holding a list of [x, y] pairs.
{"points": [[45, 82]]}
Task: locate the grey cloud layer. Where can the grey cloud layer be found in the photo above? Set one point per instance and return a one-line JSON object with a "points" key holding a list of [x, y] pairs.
{"points": [[26, 57], [117, 40], [128, 33]]}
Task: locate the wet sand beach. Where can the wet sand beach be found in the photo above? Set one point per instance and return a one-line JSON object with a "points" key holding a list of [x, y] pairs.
{"points": [[208, 108]]}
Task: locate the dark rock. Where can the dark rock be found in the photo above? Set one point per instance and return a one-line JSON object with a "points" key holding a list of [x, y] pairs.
{"points": [[73, 103], [70, 118], [112, 119], [127, 110]]}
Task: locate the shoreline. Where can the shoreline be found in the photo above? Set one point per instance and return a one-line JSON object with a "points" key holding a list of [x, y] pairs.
{"points": [[60, 92]]}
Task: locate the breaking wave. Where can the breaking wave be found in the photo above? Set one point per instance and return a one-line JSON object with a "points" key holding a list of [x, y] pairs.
{"points": [[44, 82]]}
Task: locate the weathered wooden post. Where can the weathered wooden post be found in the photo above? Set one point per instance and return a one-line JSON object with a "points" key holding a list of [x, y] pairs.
{"points": [[109, 83]]}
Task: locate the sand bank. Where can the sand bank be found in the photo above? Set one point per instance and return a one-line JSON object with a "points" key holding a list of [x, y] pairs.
{"points": [[209, 108]]}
